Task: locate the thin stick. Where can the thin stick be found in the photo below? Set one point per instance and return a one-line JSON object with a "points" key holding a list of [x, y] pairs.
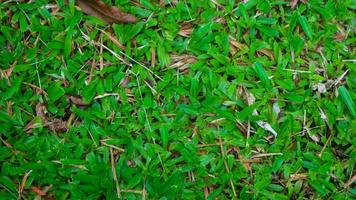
{"points": [[112, 146], [266, 155], [23, 183], [132, 191], [86, 37], [118, 191], [326, 144]]}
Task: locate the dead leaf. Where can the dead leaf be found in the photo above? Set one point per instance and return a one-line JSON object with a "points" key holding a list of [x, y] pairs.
{"points": [[186, 30], [125, 81], [182, 62], [114, 40], [9, 107], [250, 98], [153, 57], [57, 125], [7, 73], [105, 12], [294, 3], [77, 100], [38, 191], [24, 180], [296, 177], [349, 182], [266, 126], [41, 112], [235, 46]]}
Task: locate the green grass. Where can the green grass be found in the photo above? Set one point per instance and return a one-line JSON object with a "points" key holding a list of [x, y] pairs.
{"points": [[188, 110]]}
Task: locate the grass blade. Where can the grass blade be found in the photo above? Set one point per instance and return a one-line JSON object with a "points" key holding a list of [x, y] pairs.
{"points": [[346, 97]]}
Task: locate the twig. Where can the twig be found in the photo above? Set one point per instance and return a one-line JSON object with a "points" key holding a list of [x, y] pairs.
{"points": [[266, 155], [23, 183], [86, 37], [113, 169], [131, 191], [341, 77], [324, 147], [112, 146]]}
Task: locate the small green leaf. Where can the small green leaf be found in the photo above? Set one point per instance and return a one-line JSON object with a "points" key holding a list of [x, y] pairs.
{"points": [[346, 97], [55, 92], [164, 130], [68, 43], [23, 22], [262, 75], [13, 89], [89, 92], [305, 25]]}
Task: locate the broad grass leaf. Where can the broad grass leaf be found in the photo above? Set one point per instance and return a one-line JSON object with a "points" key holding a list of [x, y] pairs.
{"points": [[346, 97], [306, 27], [55, 92], [262, 75]]}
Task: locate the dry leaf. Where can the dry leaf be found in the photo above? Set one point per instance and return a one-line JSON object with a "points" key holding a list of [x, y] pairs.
{"points": [[349, 182], [266, 126], [40, 112], [77, 100], [235, 46], [186, 30], [103, 11], [57, 125], [182, 62], [38, 191], [294, 3], [114, 40], [296, 177], [250, 98], [7, 73]]}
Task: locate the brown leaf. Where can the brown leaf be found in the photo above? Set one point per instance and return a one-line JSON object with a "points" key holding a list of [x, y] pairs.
{"points": [[294, 3], [103, 11], [114, 40], [57, 125], [77, 100], [38, 191], [186, 30], [182, 62], [40, 112]]}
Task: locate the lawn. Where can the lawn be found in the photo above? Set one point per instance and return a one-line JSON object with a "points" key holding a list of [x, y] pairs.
{"points": [[198, 99]]}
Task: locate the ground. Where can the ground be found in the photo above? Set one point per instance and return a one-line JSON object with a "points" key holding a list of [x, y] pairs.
{"points": [[211, 99]]}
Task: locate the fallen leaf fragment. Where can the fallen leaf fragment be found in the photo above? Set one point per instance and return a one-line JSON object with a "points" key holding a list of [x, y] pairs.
{"points": [[250, 98], [109, 14], [77, 100], [182, 62], [349, 182], [266, 126], [57, 125], [186, 30], [38, 191]]}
